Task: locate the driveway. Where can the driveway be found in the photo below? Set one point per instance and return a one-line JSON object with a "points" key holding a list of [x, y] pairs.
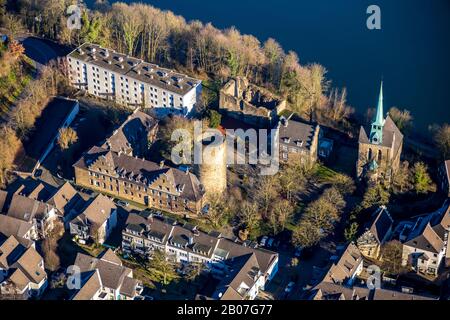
{"points": [[309, 270]]}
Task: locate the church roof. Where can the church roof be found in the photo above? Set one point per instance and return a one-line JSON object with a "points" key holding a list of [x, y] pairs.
{"points": [[392, 137]]}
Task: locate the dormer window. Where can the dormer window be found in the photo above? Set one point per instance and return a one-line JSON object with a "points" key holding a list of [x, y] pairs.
{"points": [[299, 143], [286, 140]]}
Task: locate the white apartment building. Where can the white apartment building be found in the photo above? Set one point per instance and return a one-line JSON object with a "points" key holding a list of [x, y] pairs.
{"points": [[132, 82]]}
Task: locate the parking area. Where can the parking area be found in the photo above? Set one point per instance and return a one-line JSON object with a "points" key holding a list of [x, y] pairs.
{"points": [[291, 280]]}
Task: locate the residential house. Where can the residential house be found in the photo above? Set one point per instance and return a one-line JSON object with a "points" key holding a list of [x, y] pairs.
{"points": [[134, 136], [105, 278], [298, 139], [24, 232], [426, 246], [138, 180], [96, 221], [132, 82], [376, 235], [40, 214], [22, 272], [65, 199], [243, 270], [346, 267]]}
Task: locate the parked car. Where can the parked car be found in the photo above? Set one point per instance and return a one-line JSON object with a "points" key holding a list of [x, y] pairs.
{"points": [[123, 203], [289, 287], [263, 241], [38, 173]]}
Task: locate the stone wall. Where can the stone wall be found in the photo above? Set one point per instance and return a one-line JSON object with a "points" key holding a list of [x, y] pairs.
{"points": [[249, 103], [212, 172], [386, 167]]}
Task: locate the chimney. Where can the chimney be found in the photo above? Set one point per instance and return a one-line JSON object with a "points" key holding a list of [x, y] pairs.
{"points": [[161, 164]]}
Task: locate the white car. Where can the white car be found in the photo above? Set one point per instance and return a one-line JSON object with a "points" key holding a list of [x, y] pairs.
{"points": [[289, 287], [263, 241]]}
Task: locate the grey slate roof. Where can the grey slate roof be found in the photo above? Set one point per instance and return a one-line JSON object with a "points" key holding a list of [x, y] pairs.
{"points": [[381, 225], [299, 133], [130, 133], [145, 171], [111, 273], [135, 68], [430, 234]]}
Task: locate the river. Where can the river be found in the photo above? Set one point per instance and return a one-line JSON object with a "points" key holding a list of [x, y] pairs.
{"points": [[411, 52]]}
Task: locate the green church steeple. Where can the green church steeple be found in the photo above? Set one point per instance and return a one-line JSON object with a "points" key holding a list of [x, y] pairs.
{"points": [[376, 131]]}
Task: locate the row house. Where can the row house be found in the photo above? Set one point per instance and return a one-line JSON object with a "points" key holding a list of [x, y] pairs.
{"points": [[129, 81], [138, 180], [242, 270]]}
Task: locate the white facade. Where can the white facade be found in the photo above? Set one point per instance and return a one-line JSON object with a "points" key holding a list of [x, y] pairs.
{"points": [[132, 82]]}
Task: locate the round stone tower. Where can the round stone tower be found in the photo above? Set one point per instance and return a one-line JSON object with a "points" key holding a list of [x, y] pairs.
{"points": [[212, 172]]}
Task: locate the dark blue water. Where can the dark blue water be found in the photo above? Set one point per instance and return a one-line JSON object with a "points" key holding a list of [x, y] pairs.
{"points": [[411, 51]]}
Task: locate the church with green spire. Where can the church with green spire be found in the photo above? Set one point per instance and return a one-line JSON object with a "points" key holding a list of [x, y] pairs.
{"points": [[379, 146]]}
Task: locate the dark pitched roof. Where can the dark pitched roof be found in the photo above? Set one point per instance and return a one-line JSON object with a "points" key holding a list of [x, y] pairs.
{"points": [[299, 133], [430, 234], [202, 243], [244, 273], [111, 274], [143, 172], [333, 291], [10, 226], [135, 68], [129, 135], [27, 209], [97, 211], [381, 225], [346, 266]]}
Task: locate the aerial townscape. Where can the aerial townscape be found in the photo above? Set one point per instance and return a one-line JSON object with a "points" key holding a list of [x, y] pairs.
{"points": [[103, 110]]}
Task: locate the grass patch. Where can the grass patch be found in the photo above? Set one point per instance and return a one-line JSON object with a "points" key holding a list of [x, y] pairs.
{"points": [[325, 174]]}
